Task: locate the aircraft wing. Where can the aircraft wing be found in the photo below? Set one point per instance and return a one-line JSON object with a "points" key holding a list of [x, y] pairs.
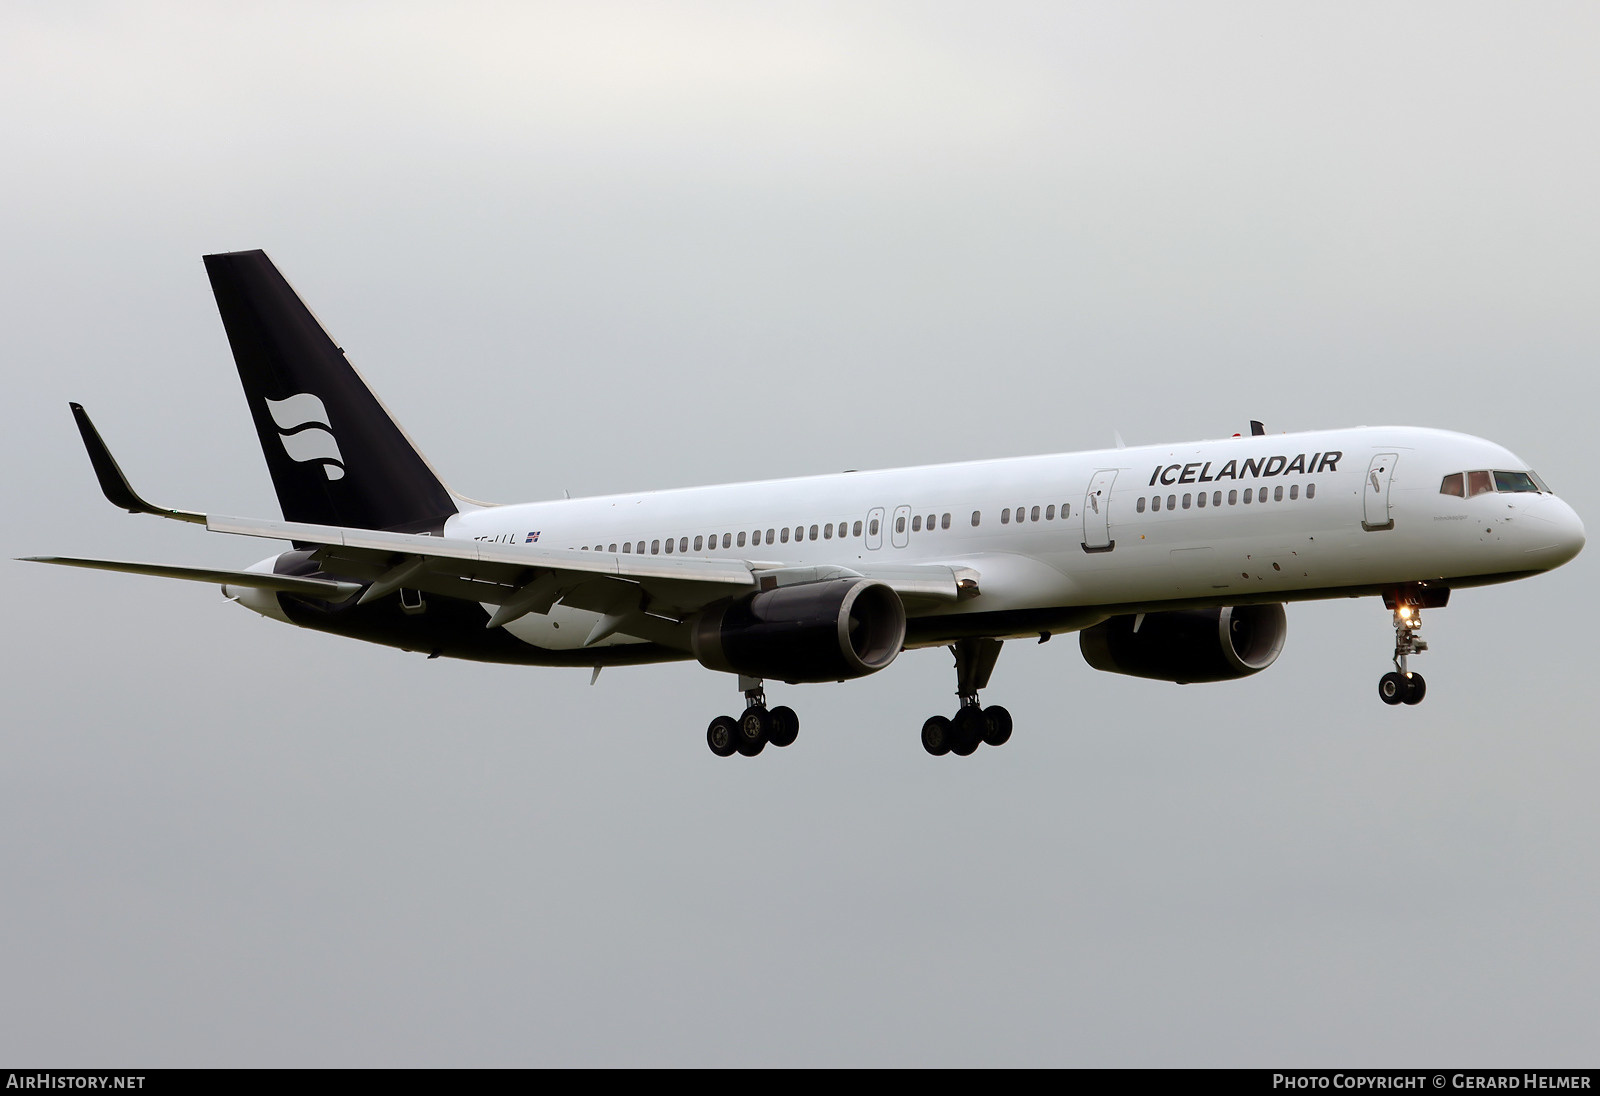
{"points": [[649, 596], [521, 578], [331, 589]]}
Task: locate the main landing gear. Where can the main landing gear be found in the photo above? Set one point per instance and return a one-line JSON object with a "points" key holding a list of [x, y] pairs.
{"points": [[750, 733], [972, 724], [1401, 686]]}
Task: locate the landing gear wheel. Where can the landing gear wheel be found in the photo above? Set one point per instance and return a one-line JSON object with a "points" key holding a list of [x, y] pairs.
{"points": [[1416, 689], [785, 726], [967, 731], [936, 736], [998, 731], [722, 736], [754, 729], [1393, 688]]}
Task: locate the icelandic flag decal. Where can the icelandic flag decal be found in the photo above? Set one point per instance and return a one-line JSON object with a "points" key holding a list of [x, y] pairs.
{"points": [[532, 537]]}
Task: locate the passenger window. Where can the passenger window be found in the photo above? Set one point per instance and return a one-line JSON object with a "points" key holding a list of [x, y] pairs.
{"points": [[900, 524], [683, 544], [873, 528], [727, 540], [669, 546], [627, 547], [784, 536], [1138, 505], [1200, 500], [844, 527], [1186, 500], [699, 543], [813, 532], [944, 522], [1294, 491], [1033, 515], [977, 516], [916, 524], [1478, 483], [1454, 484], [857, 530], [613, 548], [1172, 502], [1261, 495], [827, 531], [1248, 496], [1155, 504], [799, 533], [1005, 517], [741, 539], [769, 536], [1050, 512], [1277, 494], [655, 547], [1311, 490]]}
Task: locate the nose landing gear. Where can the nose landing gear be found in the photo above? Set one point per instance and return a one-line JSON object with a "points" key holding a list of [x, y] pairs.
{"points": [[1401, 685]]}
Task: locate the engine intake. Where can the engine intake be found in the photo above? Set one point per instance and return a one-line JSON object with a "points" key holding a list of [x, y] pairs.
{"points": [[1188, 645], [814, 631]]}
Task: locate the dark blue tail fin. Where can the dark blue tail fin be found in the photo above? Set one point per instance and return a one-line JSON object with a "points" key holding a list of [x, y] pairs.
{"points": [[336, 456]]}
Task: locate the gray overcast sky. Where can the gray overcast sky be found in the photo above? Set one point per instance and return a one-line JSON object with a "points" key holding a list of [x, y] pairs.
{"points": [[613, 246]]}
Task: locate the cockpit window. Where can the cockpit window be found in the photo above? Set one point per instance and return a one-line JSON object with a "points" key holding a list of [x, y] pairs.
{"points": [[1514, 481], [1468, 484]]}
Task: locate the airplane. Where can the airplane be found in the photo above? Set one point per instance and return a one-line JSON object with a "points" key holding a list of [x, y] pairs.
{"points": [[1171, 562]]}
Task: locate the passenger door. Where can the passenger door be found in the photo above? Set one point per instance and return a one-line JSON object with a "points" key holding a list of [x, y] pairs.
{"points": [[1375, 493], [875, 528], [900, 531], [1096, 512]]}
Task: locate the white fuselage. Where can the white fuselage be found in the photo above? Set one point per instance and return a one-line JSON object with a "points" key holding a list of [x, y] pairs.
{"points": [[1069, 539]]}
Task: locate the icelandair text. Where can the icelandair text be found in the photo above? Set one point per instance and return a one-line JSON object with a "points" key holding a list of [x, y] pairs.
{"points": [[1253, 468]]}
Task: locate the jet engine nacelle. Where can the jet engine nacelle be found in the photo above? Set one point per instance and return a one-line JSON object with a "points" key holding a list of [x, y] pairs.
{"points": [[1189, 644], [813, 631]]}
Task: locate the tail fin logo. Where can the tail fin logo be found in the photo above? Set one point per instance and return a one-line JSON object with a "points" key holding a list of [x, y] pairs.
{"points": [[306, 434]]}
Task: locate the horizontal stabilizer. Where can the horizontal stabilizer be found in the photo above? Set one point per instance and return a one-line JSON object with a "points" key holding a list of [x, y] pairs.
{"points": [[322, 588]]}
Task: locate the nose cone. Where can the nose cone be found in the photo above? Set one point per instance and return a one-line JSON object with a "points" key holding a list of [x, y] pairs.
{"points": [[1554, 532]]}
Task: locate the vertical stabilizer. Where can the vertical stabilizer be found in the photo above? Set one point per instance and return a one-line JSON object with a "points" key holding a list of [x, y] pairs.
{"points": [[335, 454]]}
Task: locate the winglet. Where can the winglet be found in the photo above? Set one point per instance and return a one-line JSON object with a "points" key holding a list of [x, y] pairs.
{"points": [[112, 481]]}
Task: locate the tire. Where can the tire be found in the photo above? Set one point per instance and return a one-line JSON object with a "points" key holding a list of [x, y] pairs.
{"points": [[722, 736], [785, 726], [936, 736], [998, 731], [752, 731], [1392, 688], [1416, 689], [967, 732]]}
